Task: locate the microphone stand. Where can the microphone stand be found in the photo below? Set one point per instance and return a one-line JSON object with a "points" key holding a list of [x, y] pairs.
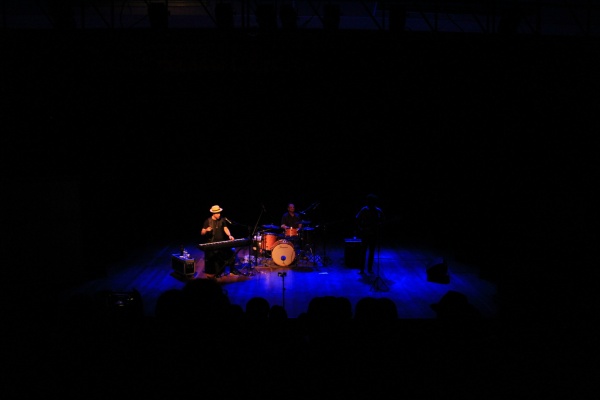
{"points": [[252, 235], [282, 275], [379, 284]]}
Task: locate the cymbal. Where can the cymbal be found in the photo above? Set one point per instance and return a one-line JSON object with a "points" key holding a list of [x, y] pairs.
{"points": [[270, 226], [305, 222]]}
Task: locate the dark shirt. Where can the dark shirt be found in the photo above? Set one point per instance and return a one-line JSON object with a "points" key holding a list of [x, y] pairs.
{"points": [[218, 233], [289, 220], [368, 220]]}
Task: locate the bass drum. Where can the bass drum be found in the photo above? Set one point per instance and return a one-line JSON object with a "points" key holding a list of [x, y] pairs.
{"points": [[283, 254]]}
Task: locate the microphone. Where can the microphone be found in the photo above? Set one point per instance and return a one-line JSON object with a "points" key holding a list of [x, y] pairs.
{"points": [[301, 212], [264, 208], [228, 221]]}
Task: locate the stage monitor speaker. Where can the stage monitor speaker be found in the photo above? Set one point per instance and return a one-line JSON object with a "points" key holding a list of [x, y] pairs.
{"points": [[353, 253]]}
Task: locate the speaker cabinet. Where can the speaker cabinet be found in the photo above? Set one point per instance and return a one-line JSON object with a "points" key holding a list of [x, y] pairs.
{"points": [[353, 253], [181, 265]]}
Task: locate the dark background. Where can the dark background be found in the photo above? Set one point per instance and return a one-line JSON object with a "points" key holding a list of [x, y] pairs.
{"points": [[483, 145]]}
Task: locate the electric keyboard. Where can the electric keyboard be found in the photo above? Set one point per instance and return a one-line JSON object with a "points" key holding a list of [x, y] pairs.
{"points": [[224, 244]]}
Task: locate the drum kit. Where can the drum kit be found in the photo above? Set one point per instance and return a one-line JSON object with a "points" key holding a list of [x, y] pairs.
{"points": [[284, 246]]}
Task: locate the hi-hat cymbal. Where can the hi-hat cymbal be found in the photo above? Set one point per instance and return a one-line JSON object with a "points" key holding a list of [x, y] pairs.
{"points": [[270, 226]]}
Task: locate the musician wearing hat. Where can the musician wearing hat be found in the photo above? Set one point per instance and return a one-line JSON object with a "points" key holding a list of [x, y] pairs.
{"points": [[217, 260]]}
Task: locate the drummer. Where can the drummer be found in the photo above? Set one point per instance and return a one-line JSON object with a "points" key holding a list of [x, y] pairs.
{"points": [[291, 223]]}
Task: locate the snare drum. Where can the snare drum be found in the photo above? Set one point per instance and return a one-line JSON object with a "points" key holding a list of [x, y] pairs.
{"points": [[283, 253], [268, 241], [291, 232]]}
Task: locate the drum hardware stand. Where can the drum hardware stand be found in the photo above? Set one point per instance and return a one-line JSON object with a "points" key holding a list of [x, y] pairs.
{"points": [[246, 265], [312, 258], [247, 269], [309, 254], [306, 248], [253, 234], [325, 260]]}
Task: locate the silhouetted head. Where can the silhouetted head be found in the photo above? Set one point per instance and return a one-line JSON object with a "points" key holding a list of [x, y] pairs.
{"points": [[372, 199], [257, 309]]}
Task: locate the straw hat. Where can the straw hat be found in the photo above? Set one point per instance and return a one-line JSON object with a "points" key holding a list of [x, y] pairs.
{"points": [[215, 209]]}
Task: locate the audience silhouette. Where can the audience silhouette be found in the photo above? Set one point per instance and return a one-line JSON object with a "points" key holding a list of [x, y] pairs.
{"points": [[331, 346], [257, 309]]}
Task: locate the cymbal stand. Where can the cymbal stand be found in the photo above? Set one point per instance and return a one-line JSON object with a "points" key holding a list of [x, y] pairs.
{"points": [[325, 260], [313, 258], [306, 248], [310, 246], [257, 252]]}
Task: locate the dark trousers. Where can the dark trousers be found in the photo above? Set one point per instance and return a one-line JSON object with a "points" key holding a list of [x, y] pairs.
{"points": [[216, 261], [369, 247]]}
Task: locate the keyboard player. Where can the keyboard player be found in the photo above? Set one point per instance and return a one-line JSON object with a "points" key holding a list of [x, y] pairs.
{"points": [[216, 261]]}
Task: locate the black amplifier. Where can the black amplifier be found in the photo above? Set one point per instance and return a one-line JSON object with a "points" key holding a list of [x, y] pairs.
{"points": [[353, 257], [182, 265]]}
